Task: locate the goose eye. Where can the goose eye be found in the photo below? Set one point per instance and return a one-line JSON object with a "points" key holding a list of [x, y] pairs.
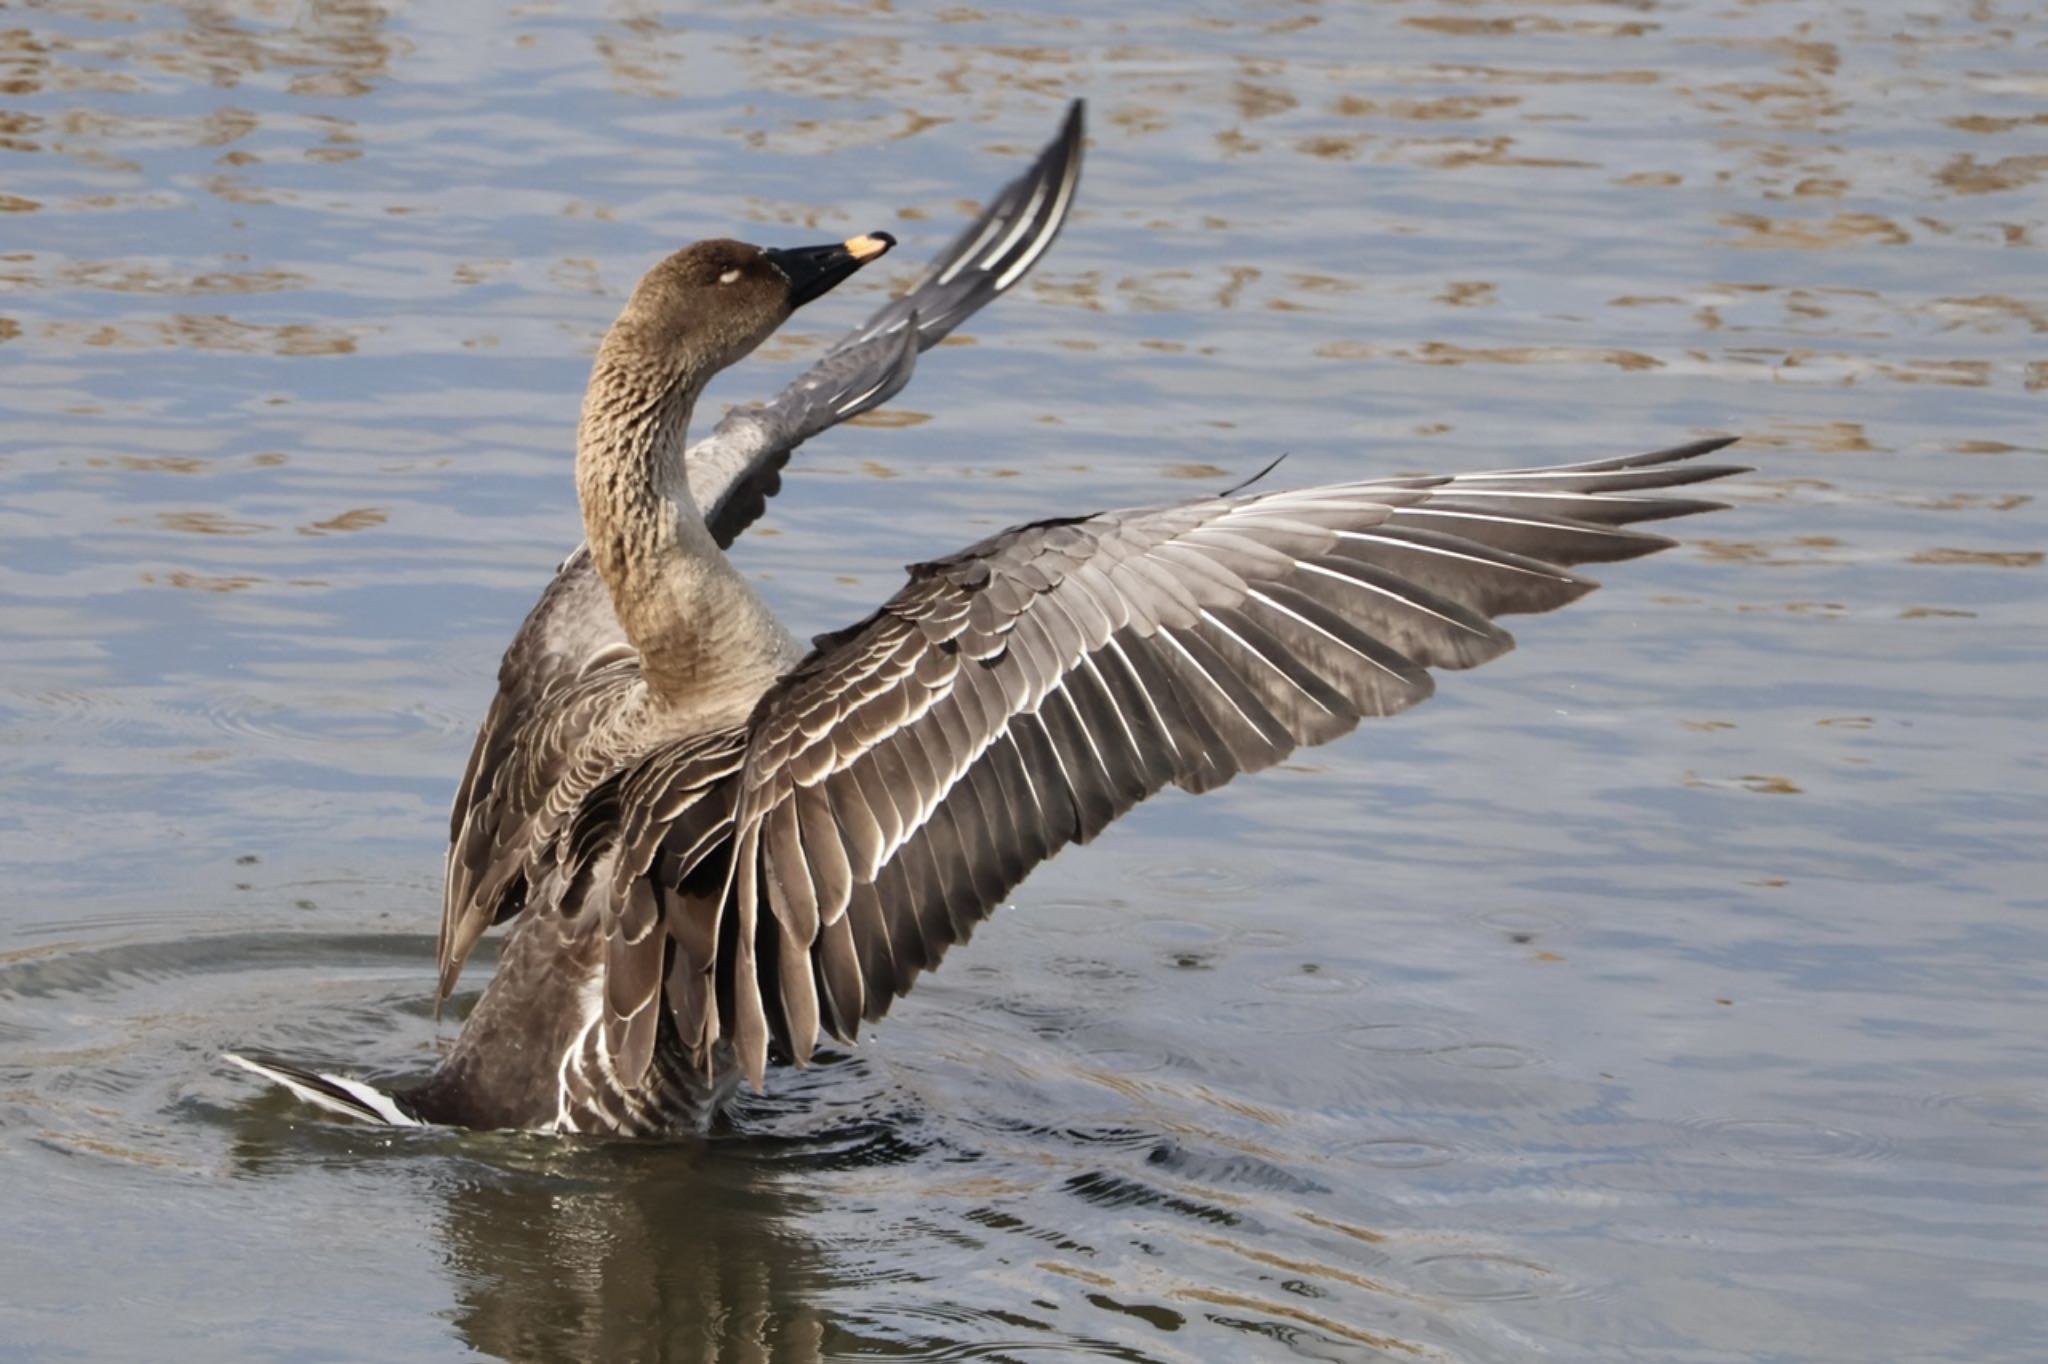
{"points": [[729, 276]]}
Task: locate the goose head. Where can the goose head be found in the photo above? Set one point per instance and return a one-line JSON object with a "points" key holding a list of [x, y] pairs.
{"points": [[709, 304]]}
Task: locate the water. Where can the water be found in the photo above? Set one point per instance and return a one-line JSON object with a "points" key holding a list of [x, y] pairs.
{"points": [[1670, 990]]}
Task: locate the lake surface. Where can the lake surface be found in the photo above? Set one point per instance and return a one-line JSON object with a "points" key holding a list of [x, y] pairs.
{"points": [[1670, 990]]}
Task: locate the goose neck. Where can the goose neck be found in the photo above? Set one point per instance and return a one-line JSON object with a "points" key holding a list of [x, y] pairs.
{"points": [[705, 639]]}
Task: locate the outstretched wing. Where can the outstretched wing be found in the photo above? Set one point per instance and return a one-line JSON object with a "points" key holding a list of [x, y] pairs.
{"points": [[738, 467], [1024, 693], [572, 630]]}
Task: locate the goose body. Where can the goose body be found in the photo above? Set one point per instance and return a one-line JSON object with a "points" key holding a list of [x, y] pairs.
{"points": [[716, 846]]}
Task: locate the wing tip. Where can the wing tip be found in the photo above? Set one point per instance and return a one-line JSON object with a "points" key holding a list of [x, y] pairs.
{"points": [[1705, 445], [1074, 126], [1670, 455], [1679, 454]]}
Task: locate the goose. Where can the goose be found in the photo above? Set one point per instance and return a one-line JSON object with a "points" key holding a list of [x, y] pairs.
{"points": [[716, 845]]}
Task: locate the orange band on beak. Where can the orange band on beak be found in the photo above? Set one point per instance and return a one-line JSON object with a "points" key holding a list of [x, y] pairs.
{"points": [[870, 246]]}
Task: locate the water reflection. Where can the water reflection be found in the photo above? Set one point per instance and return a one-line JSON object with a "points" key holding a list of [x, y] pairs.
{"points": [[624, 1253], [588, 1251]]}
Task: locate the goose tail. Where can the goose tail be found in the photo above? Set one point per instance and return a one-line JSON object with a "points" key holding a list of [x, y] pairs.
{"points": [[335, 1093]]}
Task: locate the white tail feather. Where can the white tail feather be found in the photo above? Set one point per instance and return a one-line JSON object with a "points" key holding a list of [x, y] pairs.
{"points": [[335, 1093]]}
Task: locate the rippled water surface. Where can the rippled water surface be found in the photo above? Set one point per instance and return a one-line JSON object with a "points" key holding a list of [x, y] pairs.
{"points": [[1671, 990]]}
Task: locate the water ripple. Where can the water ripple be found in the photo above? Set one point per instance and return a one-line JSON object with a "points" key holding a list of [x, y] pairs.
{"points": [[1477, 1276], [1788, 1139]]}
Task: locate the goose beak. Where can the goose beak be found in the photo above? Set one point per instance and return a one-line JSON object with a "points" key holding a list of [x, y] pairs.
{"points": [[814, 269]]}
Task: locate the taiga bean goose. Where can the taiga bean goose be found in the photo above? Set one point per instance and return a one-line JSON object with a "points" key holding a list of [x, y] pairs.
{"points": [[731, 473], [725, 846]]}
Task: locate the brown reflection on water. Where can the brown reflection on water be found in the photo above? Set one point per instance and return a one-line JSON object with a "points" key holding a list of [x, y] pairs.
{"points": [[1755, 783], [1442, 109], [333, 48], [1981, 558], [1989, 312], [1460, 153], [356, 518], [1534, 76], [1965, 174], [204, 582], [207, 582], [1965, 502], [1468, 26], [208, 523], [1796, 552], [151, 464], [1468, 293], [118, 277], [205, 332], [1952, 373], [1824, 438], [642, 53], [890, 419], [1804, 234]]}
